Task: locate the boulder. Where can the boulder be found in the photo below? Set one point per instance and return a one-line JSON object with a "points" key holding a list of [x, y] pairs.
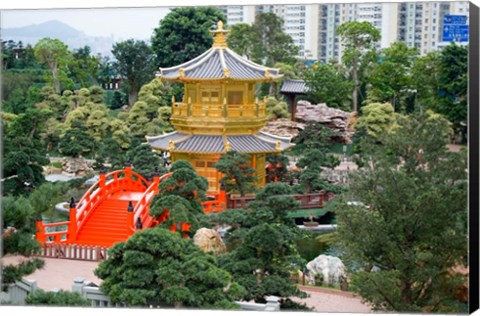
{"points": [[332, 269], [283, 127], [338, 120], [78, 166], [209, 240]]}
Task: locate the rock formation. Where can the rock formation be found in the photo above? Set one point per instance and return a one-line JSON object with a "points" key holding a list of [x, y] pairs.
{"points": [[76, 166], [209, 241], [332, 269], [335, 119], [283, 127]]}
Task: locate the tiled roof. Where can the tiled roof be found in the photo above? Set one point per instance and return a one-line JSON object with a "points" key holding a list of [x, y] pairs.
{"points": [[219, 63], [250, 144], [162, 141], [201, 144], [294, 86], [258, 143]]}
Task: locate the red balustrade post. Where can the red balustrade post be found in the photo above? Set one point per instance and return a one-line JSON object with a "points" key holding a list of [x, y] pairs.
{"points": [[130, 215], [102, 179], [72, 225], [222, 198], [322, 198], [128, 172], [40, 233]]}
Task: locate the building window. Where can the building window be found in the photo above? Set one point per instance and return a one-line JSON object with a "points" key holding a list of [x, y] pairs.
{"points": [[433, 43], [235, 97], [211, 97]]}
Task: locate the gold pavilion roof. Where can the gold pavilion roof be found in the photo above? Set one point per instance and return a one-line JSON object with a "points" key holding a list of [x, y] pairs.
{"points": [[219, 63]]}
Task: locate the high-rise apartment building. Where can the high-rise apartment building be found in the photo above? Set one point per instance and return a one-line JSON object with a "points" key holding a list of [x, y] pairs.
{"points": [[239, 13], [313, 26]]}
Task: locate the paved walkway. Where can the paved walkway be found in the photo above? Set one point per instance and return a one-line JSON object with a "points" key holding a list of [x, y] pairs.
{"points": [[333, 301], [60, 273]]}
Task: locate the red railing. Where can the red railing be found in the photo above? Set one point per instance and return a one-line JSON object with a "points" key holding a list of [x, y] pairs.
{"points": [[108, 184], [45, 233], [312, 200], [142, 208], [217, 204], [74, 252]]}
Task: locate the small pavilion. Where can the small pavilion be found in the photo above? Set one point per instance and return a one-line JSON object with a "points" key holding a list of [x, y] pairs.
{"points": [[291, 89], [219, 111]]}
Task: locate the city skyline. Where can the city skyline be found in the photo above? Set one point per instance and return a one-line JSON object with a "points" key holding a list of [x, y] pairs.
{"points": [[311, 26]]}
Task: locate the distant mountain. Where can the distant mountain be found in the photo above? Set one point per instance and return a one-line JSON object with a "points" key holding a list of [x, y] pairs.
{"points": [[73, 38], [53, 29]]}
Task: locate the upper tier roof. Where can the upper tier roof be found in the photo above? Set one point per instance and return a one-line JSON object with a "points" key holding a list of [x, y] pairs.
{"points": [[219, 63]]}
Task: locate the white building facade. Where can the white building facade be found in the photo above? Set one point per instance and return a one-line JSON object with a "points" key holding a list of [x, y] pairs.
{"points": [[313, 26]]}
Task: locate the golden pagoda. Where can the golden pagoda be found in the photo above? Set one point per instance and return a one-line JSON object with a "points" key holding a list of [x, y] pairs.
{"points": [[219, 111]]}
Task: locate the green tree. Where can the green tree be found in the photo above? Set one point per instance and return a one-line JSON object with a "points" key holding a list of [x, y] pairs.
{"points": [[76, 141], [453, 81], [144, 117], [183, 34], [391, 78], [358, 39], [83, 67], [134, 62], [240, 39], [18, 226], [377, 119], [180, 196], [156, 267], [60, 298], [263, 241], [144, 160], [239, 176], [54, 54], [328, 84], [313, 147], [119, 99], [269, 42], [412, 225], [425, 75], [24, 151], [276, 109]]}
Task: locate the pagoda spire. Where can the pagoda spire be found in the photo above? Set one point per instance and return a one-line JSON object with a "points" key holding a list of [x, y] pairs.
{"points": [[220, 36]]}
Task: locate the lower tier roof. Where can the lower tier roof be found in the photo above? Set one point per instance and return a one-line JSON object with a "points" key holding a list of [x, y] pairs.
{"points": [[217, 144]]}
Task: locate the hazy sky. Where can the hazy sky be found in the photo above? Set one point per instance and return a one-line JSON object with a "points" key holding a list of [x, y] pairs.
{"points": [[119, 22]]}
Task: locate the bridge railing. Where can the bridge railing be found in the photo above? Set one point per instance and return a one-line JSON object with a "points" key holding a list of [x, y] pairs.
{"points": [[142, 208], [115, 181], [108, 184], [312, 200]]}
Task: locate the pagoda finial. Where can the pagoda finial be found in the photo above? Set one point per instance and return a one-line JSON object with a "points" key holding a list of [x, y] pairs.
{"points": [[220, 36]]}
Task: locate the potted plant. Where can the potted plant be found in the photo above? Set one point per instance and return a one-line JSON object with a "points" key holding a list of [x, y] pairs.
{"points": [[311, 222]]}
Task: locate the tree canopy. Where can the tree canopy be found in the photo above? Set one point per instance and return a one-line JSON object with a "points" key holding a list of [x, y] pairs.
{"points": [[135, 64], [156, 267], [358, 39], [409, 232], [54, 54], [238, 175], [183, 34]]}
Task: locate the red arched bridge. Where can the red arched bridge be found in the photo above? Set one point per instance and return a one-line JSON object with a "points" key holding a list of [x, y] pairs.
{"points": [[119, 203]]}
